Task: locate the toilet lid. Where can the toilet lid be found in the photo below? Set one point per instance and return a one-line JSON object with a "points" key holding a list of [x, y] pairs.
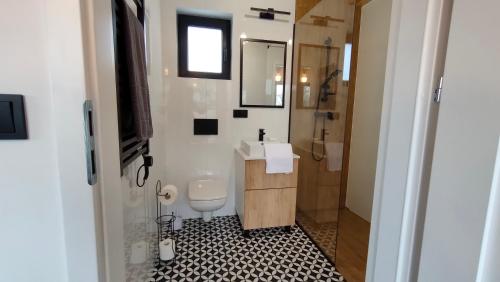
{"points": [[207, 190]]}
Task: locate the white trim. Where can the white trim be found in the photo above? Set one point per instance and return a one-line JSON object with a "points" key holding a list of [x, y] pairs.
{"points": [[415, 193], [400, 143], [384, 133], [99, 48], [69, 91]]}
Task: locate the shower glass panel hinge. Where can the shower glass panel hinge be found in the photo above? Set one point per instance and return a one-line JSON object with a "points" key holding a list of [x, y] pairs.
{"points": [[438, 91]]}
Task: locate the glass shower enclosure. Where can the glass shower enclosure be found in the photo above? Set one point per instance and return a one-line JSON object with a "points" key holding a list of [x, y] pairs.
{"points": [[320, 83]]}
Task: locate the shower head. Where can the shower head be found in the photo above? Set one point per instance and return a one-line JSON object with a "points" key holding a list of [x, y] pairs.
{"points": [[325, 88], [332, 75]]}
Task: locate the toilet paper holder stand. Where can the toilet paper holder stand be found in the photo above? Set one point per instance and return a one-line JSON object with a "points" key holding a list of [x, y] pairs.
{"points": [[164, 222]]}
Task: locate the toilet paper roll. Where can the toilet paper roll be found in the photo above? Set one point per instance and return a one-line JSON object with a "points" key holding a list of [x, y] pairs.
{"points": [[168, 195], [167, 249]]}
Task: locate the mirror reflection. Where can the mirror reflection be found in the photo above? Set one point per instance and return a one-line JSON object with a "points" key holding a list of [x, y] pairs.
{"points": [[263, 69]]}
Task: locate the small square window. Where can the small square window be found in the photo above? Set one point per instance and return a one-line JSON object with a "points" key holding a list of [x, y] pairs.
{"points": [[204, 50], [204, 47]]}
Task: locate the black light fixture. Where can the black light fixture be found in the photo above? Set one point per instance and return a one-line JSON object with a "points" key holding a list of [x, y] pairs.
{"points": [[268, 14]]}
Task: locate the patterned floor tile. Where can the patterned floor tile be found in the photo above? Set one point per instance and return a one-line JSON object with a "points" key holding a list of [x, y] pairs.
{"points": [[323, 234], [217, 251]]}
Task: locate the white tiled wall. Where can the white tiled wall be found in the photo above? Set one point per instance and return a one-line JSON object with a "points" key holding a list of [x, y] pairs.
{"points": [[139, 203], [189, 156]]}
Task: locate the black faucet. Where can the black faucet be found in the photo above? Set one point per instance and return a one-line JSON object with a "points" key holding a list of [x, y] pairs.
{"points": [[261, 134]]}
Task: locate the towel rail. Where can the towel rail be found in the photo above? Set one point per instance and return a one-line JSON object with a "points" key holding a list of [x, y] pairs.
{"points": [[130, 146]]}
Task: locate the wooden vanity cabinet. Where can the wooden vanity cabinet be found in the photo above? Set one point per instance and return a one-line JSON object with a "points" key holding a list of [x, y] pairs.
{"points": [[264, 200]]}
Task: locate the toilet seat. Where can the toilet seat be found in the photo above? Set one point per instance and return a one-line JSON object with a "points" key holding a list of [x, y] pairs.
{"points": [[207, 190]]}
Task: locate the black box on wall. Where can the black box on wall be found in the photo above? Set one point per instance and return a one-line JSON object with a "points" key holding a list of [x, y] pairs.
{"points": [[12, 117], [240, 113], [206, 126]]}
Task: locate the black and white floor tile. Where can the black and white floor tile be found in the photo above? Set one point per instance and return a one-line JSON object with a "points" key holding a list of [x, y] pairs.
{"points": [[323, 234], [217, 251]]}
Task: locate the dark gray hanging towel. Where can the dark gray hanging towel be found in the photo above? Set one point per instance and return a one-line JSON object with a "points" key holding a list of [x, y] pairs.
{"points": [[137, 73]]}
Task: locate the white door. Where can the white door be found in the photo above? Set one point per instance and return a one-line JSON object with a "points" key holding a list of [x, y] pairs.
{"points": [[465, 148]]}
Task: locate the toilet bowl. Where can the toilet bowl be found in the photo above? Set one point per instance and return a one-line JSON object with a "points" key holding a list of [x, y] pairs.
{"points": [[207, 195]]}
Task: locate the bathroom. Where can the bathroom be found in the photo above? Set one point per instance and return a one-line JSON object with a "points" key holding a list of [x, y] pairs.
{"points": [[219, 140], [200, 124], [181, 177]]}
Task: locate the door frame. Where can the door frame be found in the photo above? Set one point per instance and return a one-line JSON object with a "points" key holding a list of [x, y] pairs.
{"points": [[399, 111], [410, 47]]}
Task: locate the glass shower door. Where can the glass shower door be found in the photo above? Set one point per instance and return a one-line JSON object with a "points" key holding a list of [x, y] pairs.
{"points": [[318, 112]]}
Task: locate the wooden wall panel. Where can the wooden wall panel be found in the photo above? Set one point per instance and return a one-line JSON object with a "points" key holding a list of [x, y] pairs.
{"points": [[304, 6]]}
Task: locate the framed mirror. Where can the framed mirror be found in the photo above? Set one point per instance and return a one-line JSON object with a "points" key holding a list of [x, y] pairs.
{"points": [[262, 73]]}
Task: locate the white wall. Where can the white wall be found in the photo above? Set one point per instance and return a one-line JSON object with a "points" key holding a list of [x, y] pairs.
{"points": [[47, 207], [374, 35], [190, 156], [31, 202], [490, 245], [139, 203], [463, 163]]}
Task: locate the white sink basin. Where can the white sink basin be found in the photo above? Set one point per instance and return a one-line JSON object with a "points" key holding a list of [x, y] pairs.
{"points": [[254, 148]]}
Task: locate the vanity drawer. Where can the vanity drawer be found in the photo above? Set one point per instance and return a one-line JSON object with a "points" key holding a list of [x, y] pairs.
{"points": [[269, 208], [257, 178]]}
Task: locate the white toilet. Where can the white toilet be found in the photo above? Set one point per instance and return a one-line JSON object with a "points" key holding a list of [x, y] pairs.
{"points": [[207, 195]]}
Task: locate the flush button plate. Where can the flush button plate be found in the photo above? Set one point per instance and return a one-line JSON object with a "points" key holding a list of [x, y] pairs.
{"points": [[205, 126]]}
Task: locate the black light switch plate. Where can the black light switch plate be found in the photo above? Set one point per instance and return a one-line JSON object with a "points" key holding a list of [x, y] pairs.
{"points": [[6, 118], [12, 117], [206, 126], [240, 113]]}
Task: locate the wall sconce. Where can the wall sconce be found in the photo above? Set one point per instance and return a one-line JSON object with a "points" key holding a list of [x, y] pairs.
{"points": [[303, 78], [268, 14], [278, 77]]}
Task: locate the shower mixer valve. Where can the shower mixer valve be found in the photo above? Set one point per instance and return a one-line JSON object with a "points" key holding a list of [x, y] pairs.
{"points": [[328, 115]]}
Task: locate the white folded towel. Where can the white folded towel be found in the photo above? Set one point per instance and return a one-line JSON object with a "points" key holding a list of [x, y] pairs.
{"points": [[334, 152], [279, 158]]}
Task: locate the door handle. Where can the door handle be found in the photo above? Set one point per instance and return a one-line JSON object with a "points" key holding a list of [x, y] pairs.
{"points": [[89, 142]]}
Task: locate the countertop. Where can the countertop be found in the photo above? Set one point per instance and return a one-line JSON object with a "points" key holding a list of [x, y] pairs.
{"points": [[250, 158]]}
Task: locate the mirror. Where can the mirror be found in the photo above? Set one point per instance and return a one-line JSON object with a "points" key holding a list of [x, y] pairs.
{"points": [[315, 63], [262, 73]]}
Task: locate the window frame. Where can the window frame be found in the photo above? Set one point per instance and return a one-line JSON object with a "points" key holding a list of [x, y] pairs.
{"points": [[183, 22]]}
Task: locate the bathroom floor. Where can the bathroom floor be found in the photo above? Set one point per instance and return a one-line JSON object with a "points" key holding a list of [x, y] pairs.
{"points": [[352, 245], [349, 250], [218, 252], [323, 234]]}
